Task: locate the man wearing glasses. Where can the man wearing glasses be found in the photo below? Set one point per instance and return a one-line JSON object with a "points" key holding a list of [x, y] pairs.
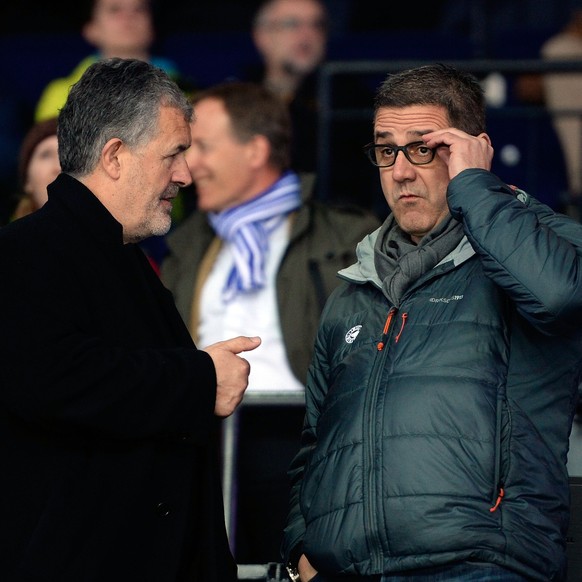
{"points": [[291, 37], [443, 385]]}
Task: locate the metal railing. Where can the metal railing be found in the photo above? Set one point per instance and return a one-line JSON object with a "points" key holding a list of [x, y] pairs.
{"points": [[328, 113], [230, 437]]}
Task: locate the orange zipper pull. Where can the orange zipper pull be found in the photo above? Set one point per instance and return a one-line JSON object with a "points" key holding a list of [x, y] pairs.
{"points": [[498, 501], [404, 316], [381, 343]]}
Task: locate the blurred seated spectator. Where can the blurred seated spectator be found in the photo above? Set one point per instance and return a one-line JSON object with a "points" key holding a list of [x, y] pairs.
{"points": [[258, 255], [116, 28], [291, 37], [563, 98], [14, 121], [38, 166]]}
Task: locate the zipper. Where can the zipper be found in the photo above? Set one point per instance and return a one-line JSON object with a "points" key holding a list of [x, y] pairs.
{"points": [[370, 429], [382, 343], [498, 491], [498, 478]]}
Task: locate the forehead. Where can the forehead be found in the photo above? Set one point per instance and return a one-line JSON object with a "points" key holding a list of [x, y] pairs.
{"points": [[411, 121], [48, 141], [210, 117], [172, 126], [102, 5], [283, 8]]}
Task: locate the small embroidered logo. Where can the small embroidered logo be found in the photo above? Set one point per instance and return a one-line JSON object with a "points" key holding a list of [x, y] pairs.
{"points": [[519, 194], [446, 299], [353, 334], [522, 197]]}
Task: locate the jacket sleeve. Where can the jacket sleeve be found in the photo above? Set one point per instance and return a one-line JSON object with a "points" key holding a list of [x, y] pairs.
{"points": [[530, 251], [61, 373]]}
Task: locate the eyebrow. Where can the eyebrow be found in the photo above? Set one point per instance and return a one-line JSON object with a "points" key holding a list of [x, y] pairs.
{"points": [[410, 134], [177, 149]]}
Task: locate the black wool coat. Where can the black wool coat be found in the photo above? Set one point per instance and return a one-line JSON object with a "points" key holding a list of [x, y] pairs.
{"points": [[108, 448]]}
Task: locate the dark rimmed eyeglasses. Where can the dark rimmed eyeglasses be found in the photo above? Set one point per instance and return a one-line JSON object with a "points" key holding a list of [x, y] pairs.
{"points": [[293, 24], [383, 155]]}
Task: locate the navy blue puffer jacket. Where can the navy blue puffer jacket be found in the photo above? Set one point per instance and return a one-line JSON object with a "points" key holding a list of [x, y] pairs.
{"points": [[437, 431]]}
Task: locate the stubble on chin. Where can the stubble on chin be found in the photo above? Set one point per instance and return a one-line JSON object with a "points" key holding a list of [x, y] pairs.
{"points": [[160, 219], [161, 223]]}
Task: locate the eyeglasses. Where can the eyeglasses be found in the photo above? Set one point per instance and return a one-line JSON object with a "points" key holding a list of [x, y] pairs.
{"points": [[292, 24], [384, 155]]}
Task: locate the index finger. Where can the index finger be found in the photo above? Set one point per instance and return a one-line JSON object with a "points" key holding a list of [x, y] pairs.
{"points": [[242, 343]]}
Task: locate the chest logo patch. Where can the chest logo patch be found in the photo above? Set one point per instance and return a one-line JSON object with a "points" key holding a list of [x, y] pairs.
{"points": [[353, 334]]}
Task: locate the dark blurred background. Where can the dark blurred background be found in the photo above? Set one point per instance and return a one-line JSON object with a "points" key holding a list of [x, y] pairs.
{"points": [[40, 40], [231, 15], [210, 41]]}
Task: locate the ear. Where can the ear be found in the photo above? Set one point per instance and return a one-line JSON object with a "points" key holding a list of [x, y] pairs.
{"points": [[89, 33], [259, 151], [256, 35], [111, 158], [261, 41], [485, 137]]}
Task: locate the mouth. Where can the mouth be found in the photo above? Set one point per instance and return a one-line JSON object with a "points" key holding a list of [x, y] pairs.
{"points": [[169, 195], [408, 197], [167, 203]]}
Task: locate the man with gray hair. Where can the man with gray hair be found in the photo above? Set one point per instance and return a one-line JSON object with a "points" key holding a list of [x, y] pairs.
{"points": [[108, 411]]}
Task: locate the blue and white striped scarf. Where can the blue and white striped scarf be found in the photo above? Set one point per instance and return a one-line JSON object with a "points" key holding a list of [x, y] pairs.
{"points": [[247, 228]]}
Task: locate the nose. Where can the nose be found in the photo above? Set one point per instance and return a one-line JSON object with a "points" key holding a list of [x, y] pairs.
{"points": [[402, 169], [192, 156], [182, 175]]}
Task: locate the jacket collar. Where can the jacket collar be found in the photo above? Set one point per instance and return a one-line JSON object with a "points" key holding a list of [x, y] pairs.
{"points": [[363, 270], [85, 209]]}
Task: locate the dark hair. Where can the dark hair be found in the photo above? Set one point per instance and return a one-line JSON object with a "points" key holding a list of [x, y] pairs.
{"points": [[254, 110], [35, 134], [115, 98], [457, 91]]}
